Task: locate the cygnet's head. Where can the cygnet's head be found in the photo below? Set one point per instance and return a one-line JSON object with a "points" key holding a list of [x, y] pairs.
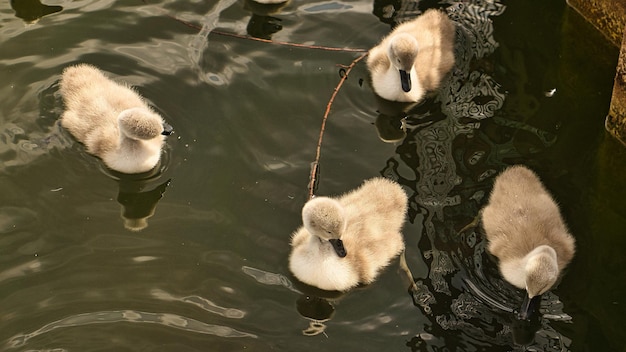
{"points": [[402, 53], [542, 271], [140, 123], [324, 217]]}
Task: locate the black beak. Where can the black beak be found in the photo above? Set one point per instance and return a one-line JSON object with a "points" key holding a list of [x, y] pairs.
{"points": [[167, 129], [530, 307], [338, 247], [405, 79]]}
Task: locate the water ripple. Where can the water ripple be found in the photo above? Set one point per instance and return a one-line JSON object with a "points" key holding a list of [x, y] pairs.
{"points": [[268, 278], [23, 269], [209, 23], [130, 316], [200, 302]]}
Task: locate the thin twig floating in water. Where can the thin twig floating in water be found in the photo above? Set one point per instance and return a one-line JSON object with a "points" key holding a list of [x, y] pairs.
{"points": [[240, 36], [315, 165], [307, 46]]}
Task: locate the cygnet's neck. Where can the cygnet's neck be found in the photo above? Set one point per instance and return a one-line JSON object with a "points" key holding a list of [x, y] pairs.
{"points": [[128, 143], [323, 246], [134, 155]]}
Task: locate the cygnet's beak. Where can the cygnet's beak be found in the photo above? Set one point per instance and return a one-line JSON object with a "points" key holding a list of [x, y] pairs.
{"points": [[405, 80], [530, 307], [338, 247], [167, 129]]}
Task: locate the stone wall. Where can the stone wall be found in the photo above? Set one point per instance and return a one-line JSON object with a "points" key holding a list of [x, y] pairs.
{"points": [[609, 16]]}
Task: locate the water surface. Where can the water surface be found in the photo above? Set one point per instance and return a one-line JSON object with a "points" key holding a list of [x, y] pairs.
{"points": [[532, 85]]}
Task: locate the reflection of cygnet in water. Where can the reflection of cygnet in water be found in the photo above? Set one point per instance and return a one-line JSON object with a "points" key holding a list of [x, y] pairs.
{"points": [[390, 120], [111, 120], [32, 10], [317, 310], [526, 232], [138, 206], [524, 330], [413, 58], [390, 128], [261, 24], [346, 241]]}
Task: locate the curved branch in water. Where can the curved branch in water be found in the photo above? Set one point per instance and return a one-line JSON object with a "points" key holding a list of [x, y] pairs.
{"points": [[315, 164], [240, 36]]}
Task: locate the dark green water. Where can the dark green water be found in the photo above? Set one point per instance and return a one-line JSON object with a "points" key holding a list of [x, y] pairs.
{"points": [[210, 272]]}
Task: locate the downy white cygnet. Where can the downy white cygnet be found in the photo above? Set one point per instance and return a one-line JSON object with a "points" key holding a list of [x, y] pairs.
{"points": [[526, 232], [346, 241], [111, 120], [414, 58]]}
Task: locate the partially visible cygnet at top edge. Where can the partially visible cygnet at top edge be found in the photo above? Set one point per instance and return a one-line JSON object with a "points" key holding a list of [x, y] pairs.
{"points": [[526, 233], [347, 241], [270, 2], [414, 58], [111, 120]]}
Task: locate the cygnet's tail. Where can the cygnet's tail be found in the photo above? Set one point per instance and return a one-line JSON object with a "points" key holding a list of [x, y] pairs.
{"points": [[78, 77]]}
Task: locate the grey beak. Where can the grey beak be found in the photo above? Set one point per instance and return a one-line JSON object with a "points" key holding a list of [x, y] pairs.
{"points": [[338, 247], [405, 79]]}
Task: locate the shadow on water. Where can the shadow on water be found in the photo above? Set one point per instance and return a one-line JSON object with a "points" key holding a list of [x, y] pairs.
{"points": [[451, 147]]}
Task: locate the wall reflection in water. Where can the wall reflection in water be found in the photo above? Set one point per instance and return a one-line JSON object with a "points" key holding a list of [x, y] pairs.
{"points": [[451, 146]]}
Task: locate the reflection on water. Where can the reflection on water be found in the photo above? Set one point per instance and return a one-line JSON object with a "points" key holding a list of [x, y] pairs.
{"points": [[23, 269], [317, 310], [138, 205], [32, 10], [22, 143], [262, 24], [17, 148], [268, 278], [129, 316], [313, 304], [200, 302], [201, 40]]}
